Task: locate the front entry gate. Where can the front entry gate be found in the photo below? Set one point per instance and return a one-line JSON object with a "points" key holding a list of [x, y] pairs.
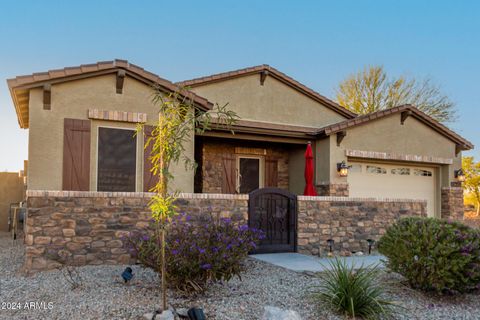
{"points": [[274, 211]]}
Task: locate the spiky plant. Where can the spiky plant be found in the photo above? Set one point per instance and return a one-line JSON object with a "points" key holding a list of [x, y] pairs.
{"points": [[353, 292]]}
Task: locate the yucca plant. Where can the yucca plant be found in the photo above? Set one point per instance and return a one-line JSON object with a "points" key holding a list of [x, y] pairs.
{"points": [[353, 292]]}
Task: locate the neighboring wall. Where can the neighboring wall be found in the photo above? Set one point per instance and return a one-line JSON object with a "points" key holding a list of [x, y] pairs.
{"points": [[73, 100], [12, 190], [348, 221], [89, 226], [272, 102]]}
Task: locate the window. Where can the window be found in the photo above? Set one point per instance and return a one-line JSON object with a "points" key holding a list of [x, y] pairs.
{"points": [[117, 160], [424, 173], [377, 170], [250, 173], [401, 171]]}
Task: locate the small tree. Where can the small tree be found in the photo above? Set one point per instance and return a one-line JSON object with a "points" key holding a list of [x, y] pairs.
{"points": [[471, 185], [178, 119], [372, 90]]}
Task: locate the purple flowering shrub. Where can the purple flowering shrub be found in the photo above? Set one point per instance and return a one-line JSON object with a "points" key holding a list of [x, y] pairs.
{"points": [[433, 254], [197, 253]]}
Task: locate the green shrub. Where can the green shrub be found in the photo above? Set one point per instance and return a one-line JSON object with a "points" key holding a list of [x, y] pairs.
{"points": [[197, 253], [354, 292], [433, 255]]}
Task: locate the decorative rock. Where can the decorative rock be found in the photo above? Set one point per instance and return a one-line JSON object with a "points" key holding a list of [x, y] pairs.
{"points": [[165, 315], [148, 316], [359, 253], [274, 313], [42, 240], [68, 232]]}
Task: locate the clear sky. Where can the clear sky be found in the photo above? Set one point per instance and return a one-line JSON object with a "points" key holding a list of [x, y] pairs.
{"points": [[316, 42]]}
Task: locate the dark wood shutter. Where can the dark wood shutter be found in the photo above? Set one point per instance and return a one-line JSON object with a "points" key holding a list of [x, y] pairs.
{"points": [[76, 155], [271, 173], [149, 180], [229, 179]]}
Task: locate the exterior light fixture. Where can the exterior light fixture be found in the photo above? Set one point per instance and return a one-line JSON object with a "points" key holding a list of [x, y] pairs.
{"points": [[330, 243], [459, 175], [370, 245], [342, 169]]}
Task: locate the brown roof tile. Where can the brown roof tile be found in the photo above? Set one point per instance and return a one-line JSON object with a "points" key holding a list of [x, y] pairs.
{"points": [[363, 119], [26, 82]]}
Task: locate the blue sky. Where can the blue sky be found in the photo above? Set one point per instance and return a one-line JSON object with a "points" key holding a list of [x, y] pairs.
{"points": [[317, 42]]}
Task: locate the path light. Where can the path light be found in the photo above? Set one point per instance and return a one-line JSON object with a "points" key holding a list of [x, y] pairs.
{"points": [[342, 169], [330, 243], [459, 175], [370, 245]]}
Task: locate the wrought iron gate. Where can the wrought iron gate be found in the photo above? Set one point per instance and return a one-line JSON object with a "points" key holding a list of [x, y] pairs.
{"points": [[275, 212]]}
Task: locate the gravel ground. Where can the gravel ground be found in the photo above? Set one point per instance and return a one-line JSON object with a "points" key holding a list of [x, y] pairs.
{"points": [[103, 296]]}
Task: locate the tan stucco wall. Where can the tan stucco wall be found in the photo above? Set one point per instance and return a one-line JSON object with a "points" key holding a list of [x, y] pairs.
{"points": [[296, 169], [11, 190], [72, 100], [388, 135], [272, 102]]}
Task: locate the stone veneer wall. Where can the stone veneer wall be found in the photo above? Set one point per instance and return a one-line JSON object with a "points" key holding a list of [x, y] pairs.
{"points": [[452, 203], [333, 190], [88, 226], [212, 165], [348, 221]]}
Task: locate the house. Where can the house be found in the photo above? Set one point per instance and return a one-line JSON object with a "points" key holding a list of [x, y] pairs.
{"points": [[81, 122]]}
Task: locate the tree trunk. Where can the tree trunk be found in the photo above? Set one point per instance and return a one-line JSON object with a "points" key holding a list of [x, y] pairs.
{"points": [[162, 193]]}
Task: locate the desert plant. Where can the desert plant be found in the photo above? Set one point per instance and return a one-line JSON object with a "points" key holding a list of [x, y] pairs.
{"points": [[197, 253], [353, 292], [66, 266], [178, 118], [433, 255]]}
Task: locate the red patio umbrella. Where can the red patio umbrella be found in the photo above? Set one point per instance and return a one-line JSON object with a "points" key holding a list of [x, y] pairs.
{"points": [[309, 188]]}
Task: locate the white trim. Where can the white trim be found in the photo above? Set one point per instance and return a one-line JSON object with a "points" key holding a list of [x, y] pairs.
{"points": [[136, 154]]}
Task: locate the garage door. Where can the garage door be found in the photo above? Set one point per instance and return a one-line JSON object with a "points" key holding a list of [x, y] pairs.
{"points": [[393, 181]]}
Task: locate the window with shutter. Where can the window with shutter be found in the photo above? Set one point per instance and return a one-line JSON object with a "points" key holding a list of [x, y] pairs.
{"points": [[117, 160], [76, 155]]}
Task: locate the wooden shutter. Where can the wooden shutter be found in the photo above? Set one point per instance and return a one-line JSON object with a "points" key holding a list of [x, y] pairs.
{"points": [[271, 173], [76, 155], [229, 179], [149, 180]]}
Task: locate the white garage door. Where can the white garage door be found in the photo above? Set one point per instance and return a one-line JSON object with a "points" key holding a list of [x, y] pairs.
{"points": [[377, 180]]}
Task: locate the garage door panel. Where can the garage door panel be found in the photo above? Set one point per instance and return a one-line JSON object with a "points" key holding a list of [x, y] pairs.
{"points": [[398, 181]]}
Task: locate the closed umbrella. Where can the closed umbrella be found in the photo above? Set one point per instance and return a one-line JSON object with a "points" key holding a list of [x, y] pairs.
{"points": [[309, 188]]}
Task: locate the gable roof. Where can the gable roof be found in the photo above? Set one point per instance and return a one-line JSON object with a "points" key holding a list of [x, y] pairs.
{"points": [[267, 70], [419, 115], [21, 85]]}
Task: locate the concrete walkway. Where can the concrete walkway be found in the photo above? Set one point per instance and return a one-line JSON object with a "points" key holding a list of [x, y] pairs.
{"points": [[301, 262]]}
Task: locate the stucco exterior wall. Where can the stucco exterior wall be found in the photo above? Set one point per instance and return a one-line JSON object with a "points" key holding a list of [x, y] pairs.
{"points": [[272, 102], [11, 190], [388, 135], [72, 100], [296, 169]]}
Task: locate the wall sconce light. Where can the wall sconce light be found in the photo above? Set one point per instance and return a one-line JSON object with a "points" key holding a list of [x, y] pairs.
{"points": [[342, 169], [459, 175], [330, 243], [370, 245]]}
